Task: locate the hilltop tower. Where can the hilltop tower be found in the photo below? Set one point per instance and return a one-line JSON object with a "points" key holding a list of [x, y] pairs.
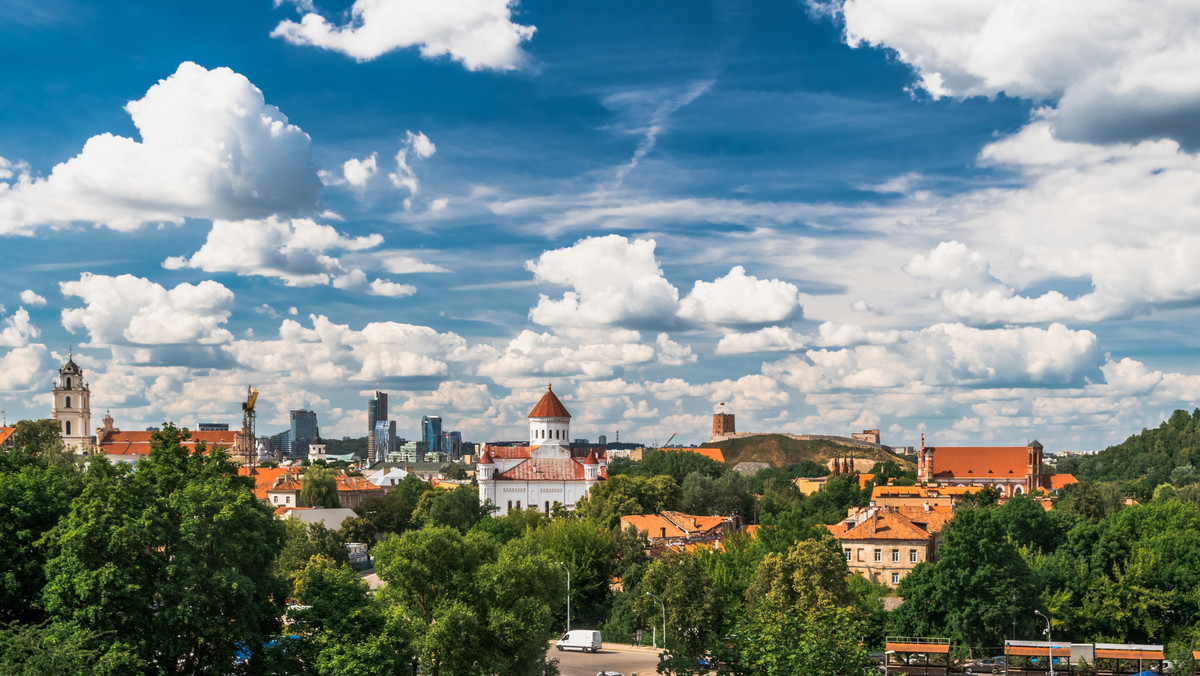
{"points": [[72, 407], [722, 422]]}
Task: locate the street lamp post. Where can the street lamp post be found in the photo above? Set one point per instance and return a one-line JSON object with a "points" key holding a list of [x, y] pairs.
{"points": [[1048, 639], [564, 567], [664, 612]]}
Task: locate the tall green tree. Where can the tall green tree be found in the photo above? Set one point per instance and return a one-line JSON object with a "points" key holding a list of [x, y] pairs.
{"points": [[693, 606], [38, 481], [801, 615], [175, 559], [444, 586], [624, 495], [966, 595], [458, 508], [319, 488]]}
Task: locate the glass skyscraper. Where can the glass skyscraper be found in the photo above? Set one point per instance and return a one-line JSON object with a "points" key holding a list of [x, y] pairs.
{"points": [[303, 429], [431, 433], [377, 410]]}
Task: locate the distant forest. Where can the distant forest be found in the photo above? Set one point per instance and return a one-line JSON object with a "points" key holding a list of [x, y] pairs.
{"points": [[343, 446], [1166, 454]]}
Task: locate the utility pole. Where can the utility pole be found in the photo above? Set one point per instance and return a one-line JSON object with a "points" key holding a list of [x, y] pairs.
{"points": [[664, 612], [1048, 640]]}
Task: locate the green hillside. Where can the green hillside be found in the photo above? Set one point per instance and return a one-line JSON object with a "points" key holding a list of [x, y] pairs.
{"points": [[1166, 454], [781, 451]]}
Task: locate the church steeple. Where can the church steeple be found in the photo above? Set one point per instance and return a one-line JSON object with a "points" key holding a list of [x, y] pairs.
{"points": [[73, 407]]}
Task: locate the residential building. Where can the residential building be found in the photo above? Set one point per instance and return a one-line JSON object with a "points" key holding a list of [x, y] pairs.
{"points": [[303, 428], [386, 478], [672, 528], [602, 440], [72, 408], [352, 490], [1013, 470], [213, 427], [545, 472], [431, 433], [6, 435], [407, 451], [330, 518], [884, 544], [121, 446], [377, 409], [285, 492]]}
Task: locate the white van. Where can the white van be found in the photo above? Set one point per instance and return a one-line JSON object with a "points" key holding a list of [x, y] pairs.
{"points": [[584, 640]]}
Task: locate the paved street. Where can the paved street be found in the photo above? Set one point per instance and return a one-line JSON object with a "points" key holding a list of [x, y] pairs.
{"points": [[613, 657]]}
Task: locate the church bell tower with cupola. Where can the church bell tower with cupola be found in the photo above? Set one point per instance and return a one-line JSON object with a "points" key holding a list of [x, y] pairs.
{"points": [[73, 407]]}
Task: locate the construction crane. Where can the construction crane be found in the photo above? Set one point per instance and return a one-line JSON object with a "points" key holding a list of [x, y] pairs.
{"points": [[670, 440], [245, 439]]}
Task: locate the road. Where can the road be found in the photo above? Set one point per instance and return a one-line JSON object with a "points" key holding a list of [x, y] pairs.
{"points": [[612, 657]]}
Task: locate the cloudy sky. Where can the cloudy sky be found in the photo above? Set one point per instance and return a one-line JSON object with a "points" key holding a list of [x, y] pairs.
{"points": [[973, 220]]}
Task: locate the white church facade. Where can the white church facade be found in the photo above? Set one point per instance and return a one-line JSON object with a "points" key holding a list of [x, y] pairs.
{"points": [[73, 408], [546, 472]]}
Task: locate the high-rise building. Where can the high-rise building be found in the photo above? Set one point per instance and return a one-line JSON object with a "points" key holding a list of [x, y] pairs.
{"points": [[213, 427], [452, 444], [431, 434], [304, 429], [282, 443], [603, 440], [385, 439], [377, 409]]}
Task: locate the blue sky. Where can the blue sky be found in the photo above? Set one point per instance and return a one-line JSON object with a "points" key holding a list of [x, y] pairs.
{"points": [[975, 222]]}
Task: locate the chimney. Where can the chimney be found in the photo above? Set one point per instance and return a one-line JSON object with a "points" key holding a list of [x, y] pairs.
{"points": [[693, 522], [663, 530], [926, 506]]}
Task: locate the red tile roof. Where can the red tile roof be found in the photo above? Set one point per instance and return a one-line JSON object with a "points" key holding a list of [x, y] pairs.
{"points": [[935, 519], [5, 433], [119, 442], [990, 462], [549, 407], [1057, 481], [509, 452], [882, 525], [675, 525], [264, 479], [710, 453], [591, 459], [486, 458], [354, 483], [548, 469]]}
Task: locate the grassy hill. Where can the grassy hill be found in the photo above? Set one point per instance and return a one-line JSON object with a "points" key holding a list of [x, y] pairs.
{"points": [[779, 450]]}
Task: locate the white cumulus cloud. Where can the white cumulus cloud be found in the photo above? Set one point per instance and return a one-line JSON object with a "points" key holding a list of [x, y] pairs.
{"points": [[741, 299], [32, 299], [297, 251], [18, 330], [479, 34], [404, 177], [1115, 70], [615, 282], [129, 310], [358, 172], [210, 147]]}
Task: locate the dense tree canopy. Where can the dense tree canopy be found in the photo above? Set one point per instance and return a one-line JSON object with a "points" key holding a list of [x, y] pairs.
{"points": [[156, 555]]}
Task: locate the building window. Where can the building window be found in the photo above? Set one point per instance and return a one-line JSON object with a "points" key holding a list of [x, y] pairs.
{"points": [[912, 556], [895, 578], [68, 383], [510, 505], [68, 401], [518, 505], [68, 428], [547, 508], [878, 555], [895, 556], [847, 552]]}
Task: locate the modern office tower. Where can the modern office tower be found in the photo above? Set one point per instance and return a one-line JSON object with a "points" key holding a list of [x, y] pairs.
{"points": [[282, 443], [377, 410], [603, 440], [385, 439], [431, 434], [452, 444], [304, 429]]}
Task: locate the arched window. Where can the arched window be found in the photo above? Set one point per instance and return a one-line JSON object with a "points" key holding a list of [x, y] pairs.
{"points": [[68, 428], [68, 383], [68, 401]]}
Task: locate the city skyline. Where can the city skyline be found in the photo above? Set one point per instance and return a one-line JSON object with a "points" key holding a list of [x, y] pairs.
{"points": [[831, 216]]}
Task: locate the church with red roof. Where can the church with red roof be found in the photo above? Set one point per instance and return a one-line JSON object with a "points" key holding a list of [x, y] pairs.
{"points": [[547, 472], [1013, 470]]}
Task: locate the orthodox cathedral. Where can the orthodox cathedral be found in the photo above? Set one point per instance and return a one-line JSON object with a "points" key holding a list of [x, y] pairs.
{"points": [[546, 472]]}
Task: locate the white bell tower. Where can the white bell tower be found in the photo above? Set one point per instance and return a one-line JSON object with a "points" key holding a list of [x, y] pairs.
{"points": [[73, 408]]}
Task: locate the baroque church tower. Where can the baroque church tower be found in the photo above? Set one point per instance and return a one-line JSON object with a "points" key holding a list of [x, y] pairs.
{"points": [[73, 407]]}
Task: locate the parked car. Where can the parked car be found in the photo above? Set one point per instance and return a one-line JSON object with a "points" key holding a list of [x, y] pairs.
{"points": [[987, 665], [609, 673], [583, 640]]}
